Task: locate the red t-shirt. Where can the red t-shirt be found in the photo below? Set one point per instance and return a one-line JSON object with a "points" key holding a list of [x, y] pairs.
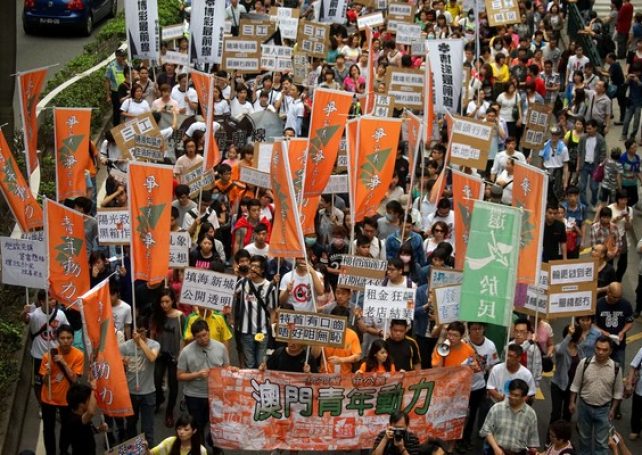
{"points": [[624, 18], [540, 86]]}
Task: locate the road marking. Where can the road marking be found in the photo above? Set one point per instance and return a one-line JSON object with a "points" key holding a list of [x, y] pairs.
{"points": [[632, 338]]}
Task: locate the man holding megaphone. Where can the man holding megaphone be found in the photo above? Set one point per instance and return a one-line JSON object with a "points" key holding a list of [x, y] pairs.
{"points": [[452, 350]]}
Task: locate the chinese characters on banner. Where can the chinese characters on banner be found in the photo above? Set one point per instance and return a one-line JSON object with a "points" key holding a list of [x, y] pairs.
{"points": [[383, 303], [444, 277], [530, 187], [539, 117], [196, 180], [333, 11], [358, 272], [142, 29], [572, 289], [139, 138], [276, 58], [105, 361], [293, 411], [384, 106], [447, 300], [114, 226], [67, 253], [313, 39], [337, 184], [502, 12], [448, 74], [254, 177], [24, 262], [242, 54], [207, 28], [179, 245], [24, 206], [72, 129], [207, 289], [311, 328], [370, 20], [466, 189], [30, 85], [490, 268], [405, 85], [470, 142]]}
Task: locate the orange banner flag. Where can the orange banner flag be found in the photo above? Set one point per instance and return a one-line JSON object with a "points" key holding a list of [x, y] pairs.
{"points": [[25, 208], [377, 140], [66, 252], [329, 116], [150, 200], [204, 86], [466, 189], [72, 128], [105, 361], [414, 141], [429, 103], [297, 149], [30, 85], [286, 240], [530, 187], [352, 130]]}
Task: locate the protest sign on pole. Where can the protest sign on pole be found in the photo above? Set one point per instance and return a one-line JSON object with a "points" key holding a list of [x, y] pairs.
{"points": [[287, 20], [370, 20], [384, 105], [448, 74], [257, 26], [466, 189], [470, 142], [334, 11], [276, 58], [197, 180], [72, 129], [315, 329], [207, 289], [534, 301], [572, 287], [530, 188], [254, 177], [300, 67], [537, 122], [358, 272], [502, 12], [142, 29], [490, 268], [338, 183], [407, 33], [114, 226], [172, 32], [242, 54], [313, 39], [207, 27], [388, 303], [401, 12], [447, 301], [30, 84], [291, 411], [139, 138], [440, 277], [24, 206], [179, 244], [177, 58], [24, 263], [405, 85]]}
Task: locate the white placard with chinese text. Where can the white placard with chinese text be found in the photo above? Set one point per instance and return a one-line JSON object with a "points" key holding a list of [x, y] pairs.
{"points": [[254, 177], [179, 245], [337, 183], [114, 226], [178, 58], [373, 20], [388, 303], [575, 272], [207, 289], [447, 300], [24, 263], [447, 71], [444, 277], [311, 328], [571, 303]]}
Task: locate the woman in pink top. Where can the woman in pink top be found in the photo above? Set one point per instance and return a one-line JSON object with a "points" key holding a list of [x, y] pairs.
{"points": [[354, 82]]}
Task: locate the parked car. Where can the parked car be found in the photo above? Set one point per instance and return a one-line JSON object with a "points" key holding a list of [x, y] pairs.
{"points": [[79, 14]]}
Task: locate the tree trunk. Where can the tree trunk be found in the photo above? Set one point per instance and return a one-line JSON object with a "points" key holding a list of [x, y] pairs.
{"points": [[8, 66]]}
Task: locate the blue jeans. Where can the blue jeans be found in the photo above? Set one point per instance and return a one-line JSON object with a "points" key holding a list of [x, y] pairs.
{"points": [[593, 427], [253, 351], [143, 406], [586, 179], [632, 112]]}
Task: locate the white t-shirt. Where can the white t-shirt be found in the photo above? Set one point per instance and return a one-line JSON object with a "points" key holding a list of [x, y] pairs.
{"points": [[184, 163], [212, 218], [557, 160], [300, 297], [239, 110], [449, 220], [161, 106], [179, 97], [222, 107], [259, 108], [486, 357], [621, 223], [132, 107], [502, 157], [295, 111], [500, 378], [47, 339], [200, 126], [122, 314], [254, 250]]}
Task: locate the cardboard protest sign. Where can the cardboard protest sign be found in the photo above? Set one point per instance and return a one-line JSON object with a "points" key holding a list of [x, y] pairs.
{"points": [[401, 12], [263, 156], [502, 12], [358, 272], [261, 28], [133, 446], [534, 301], [384, 105], [179, 245], [389, 303], [139, 138], [446, 301], [315, 329], [406, 86], [197, 180], [313, 38], [470, 142], [172, 32], [178, 58], [300, 67], [537, 122], [572, 289], [444, 277], [241, 54], [407, 33], [254, 177], [287, 20], [333, 11], [276, 58], [207, 289], [24, 263], [338, 183], [114, 226], [370, 20], [292, 411]]}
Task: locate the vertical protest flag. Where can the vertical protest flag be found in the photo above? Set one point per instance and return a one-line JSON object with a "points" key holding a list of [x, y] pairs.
{"points": [[448, 74], [329, 115], [30, 85], [377, 143], [207, 27], [286, 239], [530, 187], [66, 252], [466, 189], [429, 105], [25, 207], [414, 141], [105, 361], [142, 29], [150, 200], [490, 267], [204, 86], [297, 151], [72, 129]]}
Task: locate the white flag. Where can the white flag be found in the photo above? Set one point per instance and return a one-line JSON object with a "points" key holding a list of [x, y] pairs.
{"points": [[142, 29]]}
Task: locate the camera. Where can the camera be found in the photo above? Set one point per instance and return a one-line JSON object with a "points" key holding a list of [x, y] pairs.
{"points": [[399, 434]]}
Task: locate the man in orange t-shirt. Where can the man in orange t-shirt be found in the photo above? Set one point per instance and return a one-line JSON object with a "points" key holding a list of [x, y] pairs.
{"points": [[461, 353], [57, 377], [341, 360]]}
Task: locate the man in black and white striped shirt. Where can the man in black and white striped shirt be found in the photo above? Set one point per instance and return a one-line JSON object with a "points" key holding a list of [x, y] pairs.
{"points": [[254, 305]]}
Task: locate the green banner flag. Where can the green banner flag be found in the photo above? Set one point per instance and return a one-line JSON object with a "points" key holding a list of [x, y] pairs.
{"points": [[490, 268]]}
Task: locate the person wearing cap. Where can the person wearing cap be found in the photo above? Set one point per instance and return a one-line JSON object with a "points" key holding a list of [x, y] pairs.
{"points": [[114, 76], [555, 160]]}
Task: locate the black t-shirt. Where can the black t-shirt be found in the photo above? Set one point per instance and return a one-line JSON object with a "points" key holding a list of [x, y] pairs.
{"points": [[280, 360], [613, 317], [606, 276], [81, 436], [411, 443], [554, 236], [404, 353]]}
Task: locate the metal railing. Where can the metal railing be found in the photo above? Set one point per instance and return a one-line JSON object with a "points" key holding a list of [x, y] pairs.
{"points": [[575, 23]]}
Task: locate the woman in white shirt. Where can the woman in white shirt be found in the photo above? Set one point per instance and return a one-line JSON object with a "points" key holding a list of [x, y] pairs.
{"points": [[351, 51], [240, 106], [135, 104], [477, 106], [221, 105], [510, 108]]}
